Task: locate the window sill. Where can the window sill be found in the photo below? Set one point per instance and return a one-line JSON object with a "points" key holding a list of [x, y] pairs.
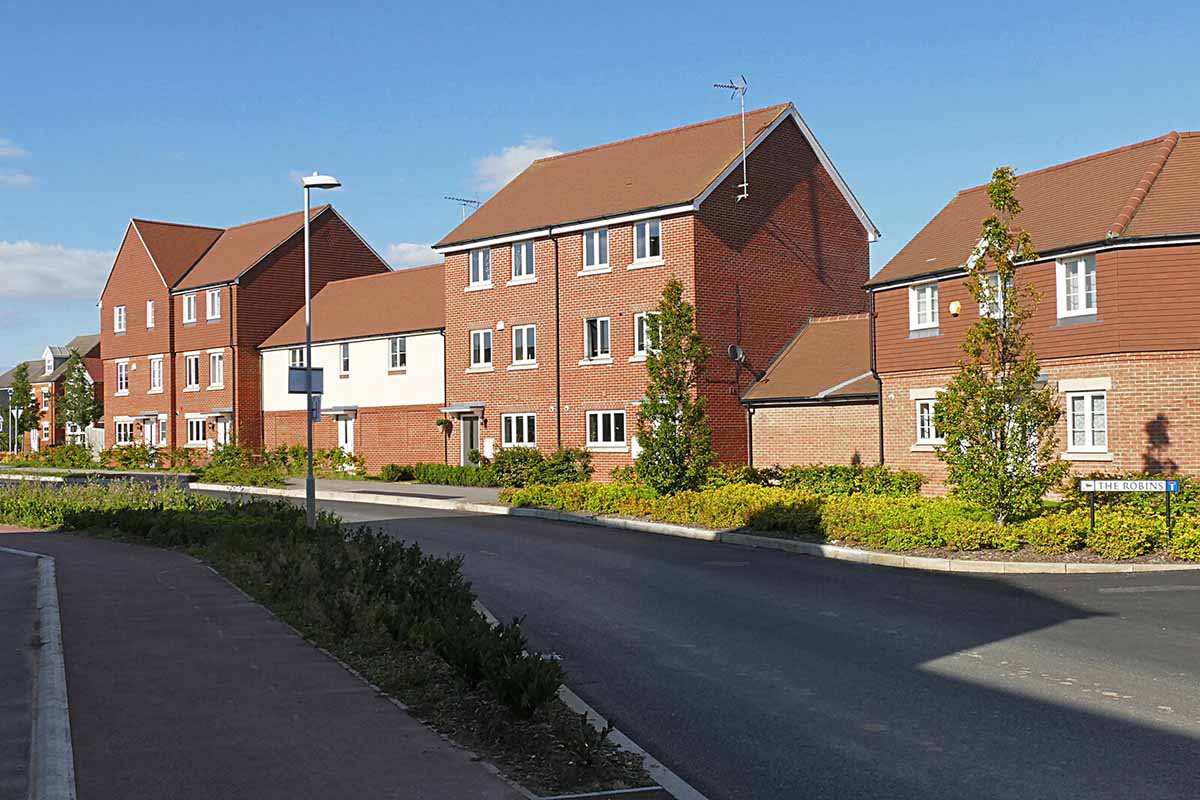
{"points": [[522, 365], [401, 371], [1077, 456], [924, 333], [118, 333], [607, 448], [522, 281], [530, 445], [592, 362], [154, 391], [191, 388], [1076, 319], [116, 394], [594, 271], [471, 370], [647, 263], [637, 358], [478, 287], [343, 375], [188, 324], [213, 386], [925, 447], [211, 320], [197, 445]]}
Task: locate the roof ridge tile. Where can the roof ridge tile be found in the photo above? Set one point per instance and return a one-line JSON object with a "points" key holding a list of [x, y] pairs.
{"points": [[136, 220], [1130, 209]]}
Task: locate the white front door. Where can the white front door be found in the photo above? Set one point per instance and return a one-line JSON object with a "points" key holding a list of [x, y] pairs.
{"points": [[346, 434], [223, 426], [150, 432]]}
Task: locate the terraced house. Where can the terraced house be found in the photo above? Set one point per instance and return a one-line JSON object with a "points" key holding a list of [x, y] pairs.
{"points": [[47, 379], [550, 286], [184, 310], [1118, 238]]}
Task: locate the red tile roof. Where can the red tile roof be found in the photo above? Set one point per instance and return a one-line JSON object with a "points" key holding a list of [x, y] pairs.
{"points": [[372, 305], [174, 247], [1150, 188], [241, 247], [829, 359]]}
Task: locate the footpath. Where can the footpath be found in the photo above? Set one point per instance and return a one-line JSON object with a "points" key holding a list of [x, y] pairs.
{"points": [[180, 686], [18, 655]]}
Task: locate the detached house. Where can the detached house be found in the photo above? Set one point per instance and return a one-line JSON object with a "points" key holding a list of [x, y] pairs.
{"points": [[551, 285], [47, 379], [184, 310], [379, 340], [1118, 242]]}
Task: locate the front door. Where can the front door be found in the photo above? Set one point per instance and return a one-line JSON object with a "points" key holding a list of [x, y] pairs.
{"points": [[346, 434], [470, 438], [223, 425], [150, 432]]}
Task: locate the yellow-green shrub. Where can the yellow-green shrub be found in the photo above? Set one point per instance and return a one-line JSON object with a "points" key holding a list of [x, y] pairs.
{"points": [[1185, 538], [1126, 533], [1056, 533]]}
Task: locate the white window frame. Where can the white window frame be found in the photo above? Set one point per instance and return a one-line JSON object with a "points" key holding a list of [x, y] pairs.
{"points": [[480, 266], [45, 399], [123, 377], [1075, 270], [216, 369], [527, 352], [118, 319], [643, 231], [993, 279], [123, 426], [1089, 431], [604, 334], [188, 360], [189, 308], [929, 290], [926, 406], [398, 353], [212, 304], [296, 356], [149, 315], [484, 335], [156, 375], [641, 335], [202, 422], [344, 358], [601, 443], [516, 430], [45, 431], [523, 257], [595, 250]]}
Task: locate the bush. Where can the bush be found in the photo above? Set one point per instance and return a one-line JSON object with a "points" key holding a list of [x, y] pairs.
{"points": [[526, 466], [899, 523], [1126, 533], [741, 505], [136, 456], [69, 456], [591, 498], [1185, 501], [847, 480], [1185, 538], [1056, 533], [396, 472], [449, 475]]}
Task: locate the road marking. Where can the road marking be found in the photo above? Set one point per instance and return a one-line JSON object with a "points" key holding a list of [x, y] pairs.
{"points": [[1148, 589]]}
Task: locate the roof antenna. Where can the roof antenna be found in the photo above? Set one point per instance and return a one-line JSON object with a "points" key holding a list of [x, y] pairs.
{"points": [[465, 202], [739, 87]]}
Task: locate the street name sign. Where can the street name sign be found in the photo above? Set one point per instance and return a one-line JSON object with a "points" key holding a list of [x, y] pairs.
{"points": [[1160, 486]]}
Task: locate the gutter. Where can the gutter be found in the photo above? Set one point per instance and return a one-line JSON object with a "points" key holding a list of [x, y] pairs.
{"points": [[840, 400], [557, 350]]}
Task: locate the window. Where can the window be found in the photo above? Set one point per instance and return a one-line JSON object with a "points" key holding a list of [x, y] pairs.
{"points": [[45, 399], [212, 304], [195, 431], [45, 431], [524, 344], [149, 314], [192, 371], [522, 257], [1076, 286], [481, 267], [398, 353], [645, 333], [1087, 419], [606, 428], [595, 249], [344, 357], [647, 240], [48, 366], [923, 306], [296, 357], [927, 432], [991, 289], [122, 377], [520, 430], [189, 308], [156, 374], [124, 432], [119, 319], [162, 431], [481, 348], [595, 339], [216, 370]]}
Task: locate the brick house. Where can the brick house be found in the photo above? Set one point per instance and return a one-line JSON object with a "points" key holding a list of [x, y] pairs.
{"points": [[549, 284], [184, 310], [1118, 240], [818, 400], [47, 379], [380, 342]]}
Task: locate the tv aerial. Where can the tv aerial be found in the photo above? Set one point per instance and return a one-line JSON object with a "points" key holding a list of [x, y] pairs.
{"points": [[738, 89]]}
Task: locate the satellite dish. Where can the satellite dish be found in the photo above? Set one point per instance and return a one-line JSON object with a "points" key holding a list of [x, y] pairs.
{"points": [[736, 353]]}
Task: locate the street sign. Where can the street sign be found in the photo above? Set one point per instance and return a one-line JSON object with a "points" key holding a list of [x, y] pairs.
{"points": [[298, 380], [314, 413], [1162, 486]]}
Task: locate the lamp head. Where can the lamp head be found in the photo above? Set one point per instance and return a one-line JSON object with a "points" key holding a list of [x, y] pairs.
{"points": [[317, 181]]}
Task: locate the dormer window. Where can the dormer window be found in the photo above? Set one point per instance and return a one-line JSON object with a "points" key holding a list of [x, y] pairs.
{"points": [[923, 306], [1076, 286], [49, 364]]}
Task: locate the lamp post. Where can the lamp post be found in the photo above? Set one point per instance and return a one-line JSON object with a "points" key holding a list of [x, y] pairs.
{"points": [[309, 182]]}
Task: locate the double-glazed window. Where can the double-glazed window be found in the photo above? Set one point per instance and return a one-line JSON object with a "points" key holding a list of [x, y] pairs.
{"points": [[189, 308], [606, 428], [45, 399], [1087, 422], [122, 377], [645, 333], [991, 300], [596, 343], [118, 319], [191, 369], [149, 313], [196, 431], [156, 374], [212, 304], [595, 249], [1076, 286], [124, 432], [524, 344], [522, 261], [647, 240], [481, 267], [397, 352], [481, 348], [520, 430], [216, 370], [296, 357], [923, 306], [927, 432], [344, 358]]}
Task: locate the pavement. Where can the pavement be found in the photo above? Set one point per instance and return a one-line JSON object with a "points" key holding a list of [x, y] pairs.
{"points": [[18, 656], [756, 674], [182, 687], [469, 494]]}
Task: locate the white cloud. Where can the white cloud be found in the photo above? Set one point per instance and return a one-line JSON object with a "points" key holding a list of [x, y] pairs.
{"points": [[9, 149], [495, 170], [48, 271], [20, 179], [410, 254]]}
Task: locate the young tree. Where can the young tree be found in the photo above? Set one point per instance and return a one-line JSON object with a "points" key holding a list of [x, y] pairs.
{"points": [[23, 400], [997, 422], [79, 405], [672, 427]]}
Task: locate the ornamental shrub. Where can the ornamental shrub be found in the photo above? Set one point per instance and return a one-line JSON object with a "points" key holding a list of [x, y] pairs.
{"points": [[1185, 538], [1056, 533], [897, 523], [69, 456], [851, 479], [1126, 533], [1185, 501], [517, 466], [451, 475], [396, 472]]}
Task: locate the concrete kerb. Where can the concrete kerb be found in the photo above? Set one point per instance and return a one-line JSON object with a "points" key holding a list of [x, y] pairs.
{"points": [[51, 757], [831, 551]]}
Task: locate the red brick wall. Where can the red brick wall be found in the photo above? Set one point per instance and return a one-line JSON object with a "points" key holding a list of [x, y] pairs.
{"points": [[803, 435], [387, 435], [792, 250]]}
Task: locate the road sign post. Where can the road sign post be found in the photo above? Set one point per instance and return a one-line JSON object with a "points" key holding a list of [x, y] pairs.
{"points": [[1167, 486]]}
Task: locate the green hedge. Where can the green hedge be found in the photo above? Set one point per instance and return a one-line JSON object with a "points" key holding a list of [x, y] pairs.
{"points": [[449, 475], [819, 480]]}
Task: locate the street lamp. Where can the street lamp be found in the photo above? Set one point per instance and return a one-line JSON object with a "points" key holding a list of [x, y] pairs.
{"points": [[309, 182]]}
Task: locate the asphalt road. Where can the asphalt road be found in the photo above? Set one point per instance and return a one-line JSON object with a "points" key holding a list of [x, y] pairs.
{"points": [[18, 652], [756, 674]]}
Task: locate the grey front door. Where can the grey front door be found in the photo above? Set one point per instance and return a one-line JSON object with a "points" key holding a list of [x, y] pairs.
{"points": [[470, 438]]}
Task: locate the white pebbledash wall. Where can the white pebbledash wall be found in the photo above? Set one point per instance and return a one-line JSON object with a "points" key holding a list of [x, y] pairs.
{"points": [[369, 384]]}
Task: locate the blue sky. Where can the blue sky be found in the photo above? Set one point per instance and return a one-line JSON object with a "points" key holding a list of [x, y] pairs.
{"points": [[208, 114]]}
